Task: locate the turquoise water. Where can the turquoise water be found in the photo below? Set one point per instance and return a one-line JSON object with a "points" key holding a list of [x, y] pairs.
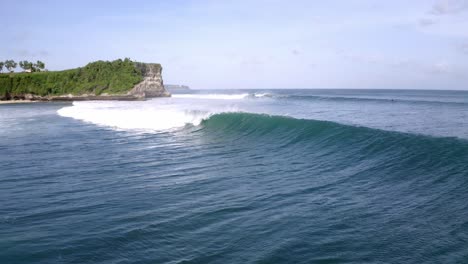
{"points": [[248, 176]]}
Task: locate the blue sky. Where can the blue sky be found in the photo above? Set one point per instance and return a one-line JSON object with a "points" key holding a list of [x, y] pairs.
{"points": [[252, 44]]}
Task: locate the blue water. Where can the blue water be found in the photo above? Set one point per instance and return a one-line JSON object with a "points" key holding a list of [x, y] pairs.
{"points": [[248, 176]]}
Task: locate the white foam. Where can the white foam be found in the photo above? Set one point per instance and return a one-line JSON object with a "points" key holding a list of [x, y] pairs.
{"points": [[132, 116], [212, 96], [260, 95], [152, 115]]}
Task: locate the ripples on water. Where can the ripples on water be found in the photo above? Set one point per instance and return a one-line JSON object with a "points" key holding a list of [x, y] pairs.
{"points": [[232, 187]]}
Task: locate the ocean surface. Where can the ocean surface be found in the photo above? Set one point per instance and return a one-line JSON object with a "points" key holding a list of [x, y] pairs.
{"points": [[237, 176]]}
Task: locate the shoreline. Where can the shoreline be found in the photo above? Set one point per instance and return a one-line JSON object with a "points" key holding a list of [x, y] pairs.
{"points": [[17, 101], [74, 98]]}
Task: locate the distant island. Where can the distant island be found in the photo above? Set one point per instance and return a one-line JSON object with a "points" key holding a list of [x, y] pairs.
{"points": [[176, 88], [100, 80]]}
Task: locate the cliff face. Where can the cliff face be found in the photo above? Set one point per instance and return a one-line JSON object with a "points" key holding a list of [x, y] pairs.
{"points": [[152, 84]]}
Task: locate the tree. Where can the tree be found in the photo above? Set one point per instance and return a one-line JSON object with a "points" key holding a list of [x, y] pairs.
{"points": [[10, 65], [29, 66], [26, 66], [1, 66], [23, 65], [39, 65]]}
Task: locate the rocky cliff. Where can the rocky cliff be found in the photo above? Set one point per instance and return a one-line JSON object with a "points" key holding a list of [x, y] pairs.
{"points": [[152, 84]]}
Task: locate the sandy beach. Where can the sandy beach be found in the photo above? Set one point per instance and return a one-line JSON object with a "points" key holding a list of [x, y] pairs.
{"points": [[16, 101]]}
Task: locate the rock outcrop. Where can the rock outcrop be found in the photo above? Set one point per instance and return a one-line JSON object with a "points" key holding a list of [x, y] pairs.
{"points": [[152, 84]]}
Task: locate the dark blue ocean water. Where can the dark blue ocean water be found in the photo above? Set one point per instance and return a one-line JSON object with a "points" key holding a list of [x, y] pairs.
{"points": [[249, 176]]}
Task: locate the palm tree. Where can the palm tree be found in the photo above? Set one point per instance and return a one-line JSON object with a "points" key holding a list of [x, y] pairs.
{"points": [[39, 65], [28, 66], [10, 65], [23, 64]]}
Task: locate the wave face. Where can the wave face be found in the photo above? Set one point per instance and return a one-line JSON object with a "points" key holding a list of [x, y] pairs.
{"points": [[329, 137], [248, 177]]}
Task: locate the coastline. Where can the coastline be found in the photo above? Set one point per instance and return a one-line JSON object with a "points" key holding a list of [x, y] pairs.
{"points": [[17, 101], [75, 98]]}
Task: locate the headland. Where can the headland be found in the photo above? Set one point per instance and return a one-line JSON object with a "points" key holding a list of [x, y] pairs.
{"points": [[100, 80]]}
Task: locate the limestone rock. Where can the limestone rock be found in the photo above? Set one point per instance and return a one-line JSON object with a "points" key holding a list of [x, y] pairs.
{"points": [[152, 84]]}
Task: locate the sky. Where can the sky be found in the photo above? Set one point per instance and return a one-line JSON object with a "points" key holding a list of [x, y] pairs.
{"points": [[221, 44]]}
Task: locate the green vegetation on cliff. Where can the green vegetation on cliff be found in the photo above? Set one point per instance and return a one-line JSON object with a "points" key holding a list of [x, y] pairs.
{"points": [[112, 77]]}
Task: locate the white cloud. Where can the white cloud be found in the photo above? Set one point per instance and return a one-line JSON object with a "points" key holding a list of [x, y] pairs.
{"points": [[379, 59], [440, 68], [296, 52], [463, 47], [425, 22], [444, 7]]}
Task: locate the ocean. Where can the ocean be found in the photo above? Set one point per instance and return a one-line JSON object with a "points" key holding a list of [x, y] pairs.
{"points": [[237, 176]]}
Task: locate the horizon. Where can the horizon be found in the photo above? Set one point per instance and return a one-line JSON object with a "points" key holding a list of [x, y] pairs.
{"points": [[422, 45], [331, 89]]}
